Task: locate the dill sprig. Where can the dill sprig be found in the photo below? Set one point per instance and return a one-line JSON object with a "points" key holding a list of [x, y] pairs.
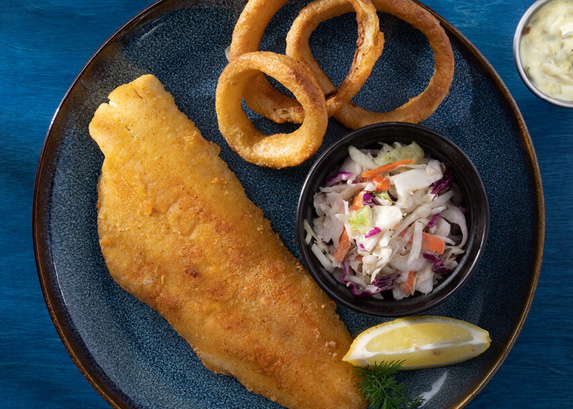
{"points": [[381, 389]]}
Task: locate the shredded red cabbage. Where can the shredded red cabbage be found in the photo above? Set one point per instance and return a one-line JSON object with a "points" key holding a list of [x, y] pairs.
{"points": [[385, 282], [360, 293], [433, 221], [392, 197], [438, 264], [442, 184], [368, 199], [372, 232], [442, 269], [345, 269], [433, 258], [337, 178]]}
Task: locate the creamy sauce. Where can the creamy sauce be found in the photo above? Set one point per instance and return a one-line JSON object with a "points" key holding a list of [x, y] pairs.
{"points": [[547, 49]]}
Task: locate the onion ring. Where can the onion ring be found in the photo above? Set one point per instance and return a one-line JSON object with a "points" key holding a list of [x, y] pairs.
{"points": [[247, 35], [280, 108], [278, 150], [416, 109], [425, 104], [267, 101], [369, 45]]}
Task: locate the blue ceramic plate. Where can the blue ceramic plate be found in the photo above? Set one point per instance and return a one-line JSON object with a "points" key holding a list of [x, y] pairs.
{"points": [[124, 348]]}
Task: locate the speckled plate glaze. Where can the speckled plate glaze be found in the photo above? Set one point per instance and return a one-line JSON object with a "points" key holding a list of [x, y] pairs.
{"points": [[125, 349]]}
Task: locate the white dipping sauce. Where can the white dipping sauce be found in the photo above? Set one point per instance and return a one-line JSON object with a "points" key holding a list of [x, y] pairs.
{"points": [[546, 49]]}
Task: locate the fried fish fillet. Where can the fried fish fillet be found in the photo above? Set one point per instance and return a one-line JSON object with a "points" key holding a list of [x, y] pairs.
{"points": [[177, 231]]}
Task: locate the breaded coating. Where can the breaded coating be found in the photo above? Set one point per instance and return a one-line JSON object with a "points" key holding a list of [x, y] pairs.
{"points": [[178, 231]]}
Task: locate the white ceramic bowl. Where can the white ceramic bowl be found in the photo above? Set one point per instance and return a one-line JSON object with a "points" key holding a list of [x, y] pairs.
{"points": [[517, 55]]}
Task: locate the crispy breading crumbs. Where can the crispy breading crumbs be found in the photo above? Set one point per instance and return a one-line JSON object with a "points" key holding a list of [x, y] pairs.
{"points": [[222, 181]]}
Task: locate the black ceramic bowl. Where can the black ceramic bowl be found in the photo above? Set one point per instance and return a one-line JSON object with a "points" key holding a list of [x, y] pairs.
{"points": [[466, 178]]}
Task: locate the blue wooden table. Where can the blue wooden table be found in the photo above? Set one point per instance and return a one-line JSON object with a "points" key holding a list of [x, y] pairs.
{"points": [[44, 44]]}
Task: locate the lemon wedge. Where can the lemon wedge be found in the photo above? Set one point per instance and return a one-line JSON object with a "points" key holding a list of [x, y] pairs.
{"points": [[421, 342]]}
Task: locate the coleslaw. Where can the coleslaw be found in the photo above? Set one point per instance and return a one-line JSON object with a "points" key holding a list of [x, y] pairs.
{"points": [[389, 221]]}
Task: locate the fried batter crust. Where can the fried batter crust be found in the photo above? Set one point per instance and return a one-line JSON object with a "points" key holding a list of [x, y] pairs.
{"points": [[177, 231]]}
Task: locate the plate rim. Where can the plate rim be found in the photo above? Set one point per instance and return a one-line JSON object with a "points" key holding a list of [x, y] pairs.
{"points": [[82, 358], [540, 201], [87, 366]]}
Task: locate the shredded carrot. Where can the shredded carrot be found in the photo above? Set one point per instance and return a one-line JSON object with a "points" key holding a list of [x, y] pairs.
{"points": [[358, 203], [429, 242], [433, 243], [408, 285], [343, 246], [382, 183], [386, 168]]}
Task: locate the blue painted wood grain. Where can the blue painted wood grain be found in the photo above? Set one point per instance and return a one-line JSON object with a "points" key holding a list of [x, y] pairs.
{"points": [[44, 44]]}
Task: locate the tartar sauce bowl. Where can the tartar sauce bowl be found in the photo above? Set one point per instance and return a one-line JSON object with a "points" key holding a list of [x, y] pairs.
{"points": [[468, 181], [523, 28]]}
